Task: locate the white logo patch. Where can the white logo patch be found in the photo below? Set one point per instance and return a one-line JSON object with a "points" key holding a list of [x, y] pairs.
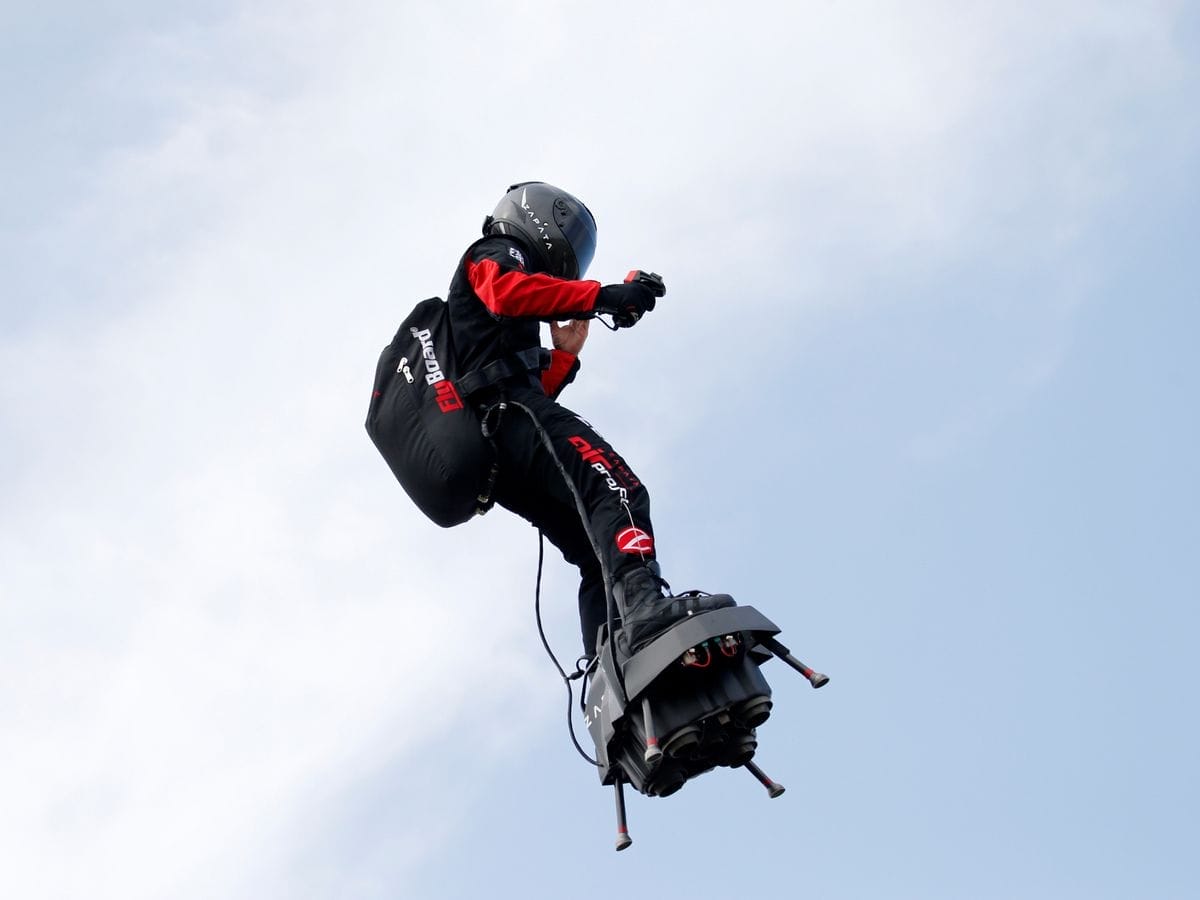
{"points": [[516, 254]]}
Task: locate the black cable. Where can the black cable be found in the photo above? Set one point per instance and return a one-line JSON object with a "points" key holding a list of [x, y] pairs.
{"points": [[537, 610], [581, 508], [611, 327]]}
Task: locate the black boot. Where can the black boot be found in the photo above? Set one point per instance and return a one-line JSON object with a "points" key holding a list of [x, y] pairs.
{"points": [[646, 611]]}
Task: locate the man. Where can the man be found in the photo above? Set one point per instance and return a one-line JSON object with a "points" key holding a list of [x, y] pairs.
{"points": [[554, 469]]}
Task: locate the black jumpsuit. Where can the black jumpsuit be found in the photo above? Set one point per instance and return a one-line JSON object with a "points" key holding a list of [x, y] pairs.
{"points": [[497, 300]]}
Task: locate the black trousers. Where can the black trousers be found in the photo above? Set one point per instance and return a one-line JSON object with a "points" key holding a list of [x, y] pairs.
{"points": [[548, 485]]}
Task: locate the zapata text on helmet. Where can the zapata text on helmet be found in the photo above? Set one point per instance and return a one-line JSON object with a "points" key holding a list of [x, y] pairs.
{"points": [[536, 221]]}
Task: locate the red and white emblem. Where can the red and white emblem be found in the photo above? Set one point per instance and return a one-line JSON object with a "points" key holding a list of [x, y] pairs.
{"points": [[634, 540]]}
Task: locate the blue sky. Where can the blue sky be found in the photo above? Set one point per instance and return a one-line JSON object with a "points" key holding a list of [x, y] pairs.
{"points": [[922, 390]]}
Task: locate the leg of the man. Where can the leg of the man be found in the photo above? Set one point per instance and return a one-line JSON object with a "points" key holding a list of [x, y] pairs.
{"points": [[580, 469], [552, 460]]}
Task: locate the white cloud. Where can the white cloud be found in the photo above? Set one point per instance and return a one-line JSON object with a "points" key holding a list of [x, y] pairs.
{"points": [[215, 598]]}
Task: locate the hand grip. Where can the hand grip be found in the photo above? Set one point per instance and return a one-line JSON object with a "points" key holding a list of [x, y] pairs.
{"points": [[651, 280]]}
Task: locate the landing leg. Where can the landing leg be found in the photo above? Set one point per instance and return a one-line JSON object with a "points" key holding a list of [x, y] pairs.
{"points": [[653, 752], [816, 679], [623, 838], [774, 788]]}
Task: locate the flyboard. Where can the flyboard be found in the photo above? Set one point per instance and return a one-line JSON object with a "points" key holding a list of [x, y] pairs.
{"points": [[688, 701]]}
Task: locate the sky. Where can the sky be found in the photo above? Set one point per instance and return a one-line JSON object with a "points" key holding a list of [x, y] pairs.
{"points": [[922, 390]]}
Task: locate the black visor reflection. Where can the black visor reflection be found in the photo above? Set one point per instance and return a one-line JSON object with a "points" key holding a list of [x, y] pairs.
{"points": [[580, 232]]}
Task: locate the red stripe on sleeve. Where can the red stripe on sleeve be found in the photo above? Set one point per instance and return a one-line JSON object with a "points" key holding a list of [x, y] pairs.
{"points": [[516, 293], [561, 363]]}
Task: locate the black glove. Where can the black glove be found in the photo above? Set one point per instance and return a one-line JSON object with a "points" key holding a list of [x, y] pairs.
{"points": [[627, 302]]}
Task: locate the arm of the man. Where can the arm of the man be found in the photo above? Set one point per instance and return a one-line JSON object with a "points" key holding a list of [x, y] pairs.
{"points": [[568, 339], [500, 277], [562, 371]]}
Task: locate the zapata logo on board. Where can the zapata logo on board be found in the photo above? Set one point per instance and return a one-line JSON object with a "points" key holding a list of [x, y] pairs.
{"points": [[634, 540]]}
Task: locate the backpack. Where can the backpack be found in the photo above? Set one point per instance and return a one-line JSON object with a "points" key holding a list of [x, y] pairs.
{"points": [[421, 421]]}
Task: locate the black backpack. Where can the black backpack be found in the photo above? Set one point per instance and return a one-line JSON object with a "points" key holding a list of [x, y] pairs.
{"points": [[422, 422]]}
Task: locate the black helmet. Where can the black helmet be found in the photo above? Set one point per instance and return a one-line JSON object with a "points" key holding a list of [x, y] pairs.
{"points": [[554, 224]]}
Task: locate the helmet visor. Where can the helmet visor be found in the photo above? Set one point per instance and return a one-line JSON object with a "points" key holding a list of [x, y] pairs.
{"points": [[579, 229]]}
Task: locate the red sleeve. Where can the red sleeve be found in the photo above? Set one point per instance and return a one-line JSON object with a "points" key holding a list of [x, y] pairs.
{"points": [[516, 293], [560, 373]]}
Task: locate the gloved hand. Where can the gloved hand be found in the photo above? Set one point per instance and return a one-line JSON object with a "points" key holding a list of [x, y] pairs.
{"points": [[628, 302]]}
